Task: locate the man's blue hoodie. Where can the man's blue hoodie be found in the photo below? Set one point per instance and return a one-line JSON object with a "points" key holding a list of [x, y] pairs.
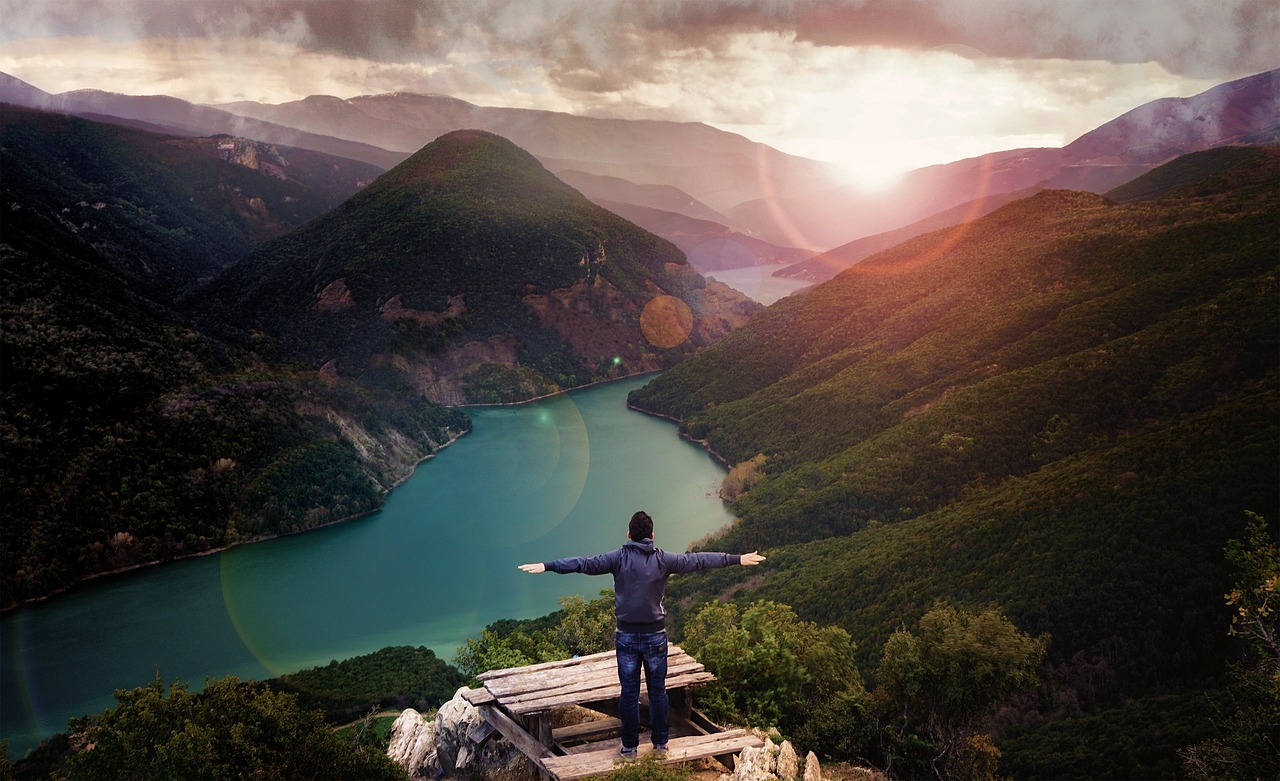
{"points": [[640, 578]]}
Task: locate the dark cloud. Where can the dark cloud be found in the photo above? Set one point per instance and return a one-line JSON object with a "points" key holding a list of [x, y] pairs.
{"points": [[614, 39], [1188, 37]]}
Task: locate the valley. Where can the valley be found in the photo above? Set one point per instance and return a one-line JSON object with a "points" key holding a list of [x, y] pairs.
{"points": [[1035, 390]]}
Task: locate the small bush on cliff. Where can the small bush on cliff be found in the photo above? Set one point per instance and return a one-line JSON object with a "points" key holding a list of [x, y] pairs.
{"points": [[772, 669], [938, 685], [580, 627]]}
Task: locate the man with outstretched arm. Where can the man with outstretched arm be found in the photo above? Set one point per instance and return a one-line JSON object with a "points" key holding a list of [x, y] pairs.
{"points": [[640, 574]]}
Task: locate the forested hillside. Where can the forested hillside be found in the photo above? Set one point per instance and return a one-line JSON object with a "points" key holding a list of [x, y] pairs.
{"points": [[472, 273], [1065, 412], [127, 435], [162, 210]]}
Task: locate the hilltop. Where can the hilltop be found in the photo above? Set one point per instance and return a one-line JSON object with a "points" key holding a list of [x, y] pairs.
{"points": [[472, 273]]}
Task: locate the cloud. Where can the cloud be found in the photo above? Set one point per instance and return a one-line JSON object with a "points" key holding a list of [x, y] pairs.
{"points": [[608, 42], [870, 82]]}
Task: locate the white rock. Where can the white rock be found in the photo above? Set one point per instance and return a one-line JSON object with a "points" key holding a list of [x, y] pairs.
{"points": [[788, 762], [441, 747], [812, 770], [755, 764], [413, 745]]}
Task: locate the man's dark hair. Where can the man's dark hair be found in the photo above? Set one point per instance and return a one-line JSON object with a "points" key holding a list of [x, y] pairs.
{"points": [[641, 526]]}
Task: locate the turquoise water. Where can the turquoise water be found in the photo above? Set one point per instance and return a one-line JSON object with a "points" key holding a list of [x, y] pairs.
{"points": [[559, 477]]}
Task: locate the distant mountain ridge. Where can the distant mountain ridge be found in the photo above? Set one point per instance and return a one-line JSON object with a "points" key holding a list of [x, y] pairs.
{"points": [[718, 168], [472, 274], [1243, 111], [180, 117], [781, 199]]}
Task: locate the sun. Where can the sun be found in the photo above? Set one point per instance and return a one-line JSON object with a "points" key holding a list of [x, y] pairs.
{"points": [[872, 174]]}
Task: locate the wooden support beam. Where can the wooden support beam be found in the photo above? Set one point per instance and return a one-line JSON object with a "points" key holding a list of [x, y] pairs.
{"points": [[585, 730], [515, 733]]}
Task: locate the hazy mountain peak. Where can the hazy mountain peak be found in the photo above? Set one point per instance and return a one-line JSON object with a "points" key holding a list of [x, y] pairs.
{"points": [[472, 159]]}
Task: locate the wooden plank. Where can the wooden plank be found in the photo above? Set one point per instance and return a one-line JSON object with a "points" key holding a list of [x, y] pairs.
{"points": [[574, 662], [479, 697], [585, 729], [583, 676], [604, 660], [513, 690], [598, 762], [481, 732], [537, 701], [702, 722], [515, 733], [509, 688]]}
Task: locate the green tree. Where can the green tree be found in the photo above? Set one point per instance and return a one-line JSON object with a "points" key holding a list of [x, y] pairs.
{"points": [[495, 651], [772, 669], [1257, 592], [582, 627], [941, 682], [231, 730], [1248, 741], [587, 627]]}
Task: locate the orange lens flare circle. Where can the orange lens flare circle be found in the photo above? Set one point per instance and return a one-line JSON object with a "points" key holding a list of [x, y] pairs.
{"points": [[666, 321]]}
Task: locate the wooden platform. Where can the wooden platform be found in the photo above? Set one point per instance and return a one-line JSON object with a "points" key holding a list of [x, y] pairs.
{"points": [[517, 701], [602, 759]]}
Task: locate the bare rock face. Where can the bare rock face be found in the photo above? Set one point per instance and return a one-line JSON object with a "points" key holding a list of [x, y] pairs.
{"points": [[445, 746], [788, 762], [756, 764], [413, 745], [812, 770]]}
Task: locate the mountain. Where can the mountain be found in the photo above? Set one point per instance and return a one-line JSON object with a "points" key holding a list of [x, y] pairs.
{"points": [[472, 273], [167, 211], [659, 197], [1246, 110], [128, 434], [824, 266], [179, 117], [1065, 413], [784, 200], [717, 168], [700, 232], [709, 246]]}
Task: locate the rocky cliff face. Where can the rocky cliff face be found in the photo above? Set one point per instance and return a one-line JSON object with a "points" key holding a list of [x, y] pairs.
{"points": [[441, 747]]}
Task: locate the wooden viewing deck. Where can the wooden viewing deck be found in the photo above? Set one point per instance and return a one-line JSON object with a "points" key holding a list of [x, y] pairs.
{"points": [[517, 703]]}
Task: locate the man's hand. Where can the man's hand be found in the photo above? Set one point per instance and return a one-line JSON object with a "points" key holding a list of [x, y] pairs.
{"points": [[533, 569], [751, 559]]}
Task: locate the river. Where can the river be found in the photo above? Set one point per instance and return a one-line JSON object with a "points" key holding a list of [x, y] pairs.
{"points": [[557, 477], [758, 282]]}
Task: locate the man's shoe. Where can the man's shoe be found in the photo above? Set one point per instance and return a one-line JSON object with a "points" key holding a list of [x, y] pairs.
{"points": [[627, 753], [660, 750]]}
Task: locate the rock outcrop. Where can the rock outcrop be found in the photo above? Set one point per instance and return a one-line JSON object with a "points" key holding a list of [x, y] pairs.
{"points": [[443, 747], [780, 762]]}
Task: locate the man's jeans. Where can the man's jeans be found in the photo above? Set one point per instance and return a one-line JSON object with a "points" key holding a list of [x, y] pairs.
{"points": [[650, 649]]}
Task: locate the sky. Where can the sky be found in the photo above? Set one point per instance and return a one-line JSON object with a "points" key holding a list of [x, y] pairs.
{"points": [[878, 86]]}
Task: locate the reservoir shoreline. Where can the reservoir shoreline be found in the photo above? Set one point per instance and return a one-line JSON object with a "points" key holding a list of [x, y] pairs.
{"points": [[530, 482], [250, 541], [266, 537]]}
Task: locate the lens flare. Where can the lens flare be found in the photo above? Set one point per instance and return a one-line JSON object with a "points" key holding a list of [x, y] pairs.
{"points": [[666, 321]]}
